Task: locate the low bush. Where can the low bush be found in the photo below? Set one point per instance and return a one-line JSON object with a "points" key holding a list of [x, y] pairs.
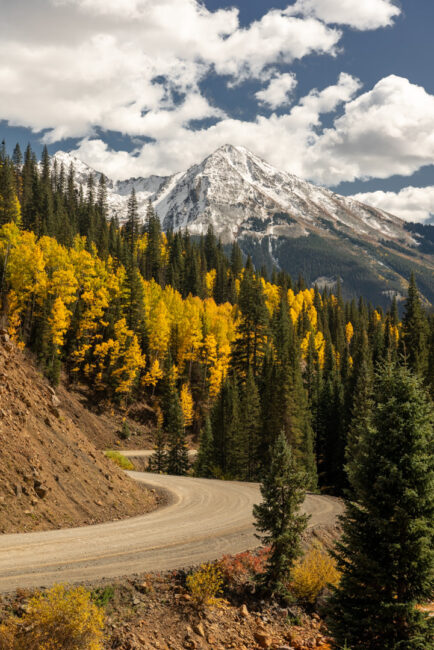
{"points": [[61, 617], [205, 585], [102, 596], [313, 573], [8, 632], [125, 432], [243, 567], [118, 459]]}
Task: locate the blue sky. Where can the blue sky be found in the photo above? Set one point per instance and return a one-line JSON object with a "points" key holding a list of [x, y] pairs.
{"points": [[340, 92]]}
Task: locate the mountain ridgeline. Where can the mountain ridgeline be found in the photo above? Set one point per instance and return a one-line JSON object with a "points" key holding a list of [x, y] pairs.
{"points": [[282, 221]]}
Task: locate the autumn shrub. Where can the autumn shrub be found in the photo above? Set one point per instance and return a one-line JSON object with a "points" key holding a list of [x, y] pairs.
{"points": [[313, 573], [122, 461], [61, 617], [205, 585], [8, 631], [243, 567], [125, 432]]}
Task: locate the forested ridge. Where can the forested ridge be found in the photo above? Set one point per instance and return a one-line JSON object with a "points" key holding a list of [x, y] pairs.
{"points": [[219, 349]]}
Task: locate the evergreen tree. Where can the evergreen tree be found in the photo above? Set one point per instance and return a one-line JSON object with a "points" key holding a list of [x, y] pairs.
{"points": [[430, 377], [177, 455], [205, 456], [249, 346], [250, 423], [226, 429], [362, 403], [414, 330], [158, 460], [132, 225], [278, 517], [153, 268], [386, 552]]}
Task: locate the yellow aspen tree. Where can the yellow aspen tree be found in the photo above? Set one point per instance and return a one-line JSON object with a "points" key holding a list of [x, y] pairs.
{"points": [[210, 279], [187, 405], [349, 332]]}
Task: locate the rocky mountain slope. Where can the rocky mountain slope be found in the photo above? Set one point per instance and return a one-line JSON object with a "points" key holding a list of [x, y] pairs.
{"points": [[51, 475], [283, 221]]}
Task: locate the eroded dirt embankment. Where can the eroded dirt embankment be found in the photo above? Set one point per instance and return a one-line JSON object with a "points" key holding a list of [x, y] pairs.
{"points": [[51, 475]]}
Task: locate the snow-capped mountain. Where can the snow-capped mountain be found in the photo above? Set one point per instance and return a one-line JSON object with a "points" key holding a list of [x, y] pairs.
{"points": [[279, 219], [241, 195]]}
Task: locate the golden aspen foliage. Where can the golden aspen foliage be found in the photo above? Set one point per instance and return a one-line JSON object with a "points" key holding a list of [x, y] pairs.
{"points": [[153, 375], [210, 282], [349, 332], [158, 327], [61, 617], [205, 585], [313, 573], [187, 405]]}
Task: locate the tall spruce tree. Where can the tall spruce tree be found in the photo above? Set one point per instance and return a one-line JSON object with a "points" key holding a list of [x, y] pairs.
{"points": [[177, 454], [132, 225], [415, 330], [386, 554], [250, 422], [278, 519], [226, 429], [249, 346], [205, 456]]}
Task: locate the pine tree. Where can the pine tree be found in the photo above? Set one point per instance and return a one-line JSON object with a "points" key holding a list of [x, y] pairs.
{"points": [[278, 517], [250, 423], [430, 377], [153, 268], [158, 460], [205, 456], [249, 346], [386, 551], [414, 330], [226, 429], [177, 455], [132, 225], [362, 403]]}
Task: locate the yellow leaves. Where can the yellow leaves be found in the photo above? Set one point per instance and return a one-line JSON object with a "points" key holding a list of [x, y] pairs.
{"points": [[158, 326], [187, 405], [210, 282], [272, 296], [154, 374], [117, 360], [319, 344], [394, 334], [205, 585], [59, 322], [311, 575], [349, 332], [59, 618]]}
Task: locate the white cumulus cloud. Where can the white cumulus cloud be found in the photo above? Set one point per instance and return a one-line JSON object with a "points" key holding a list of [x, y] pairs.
{"points": [[360, 14], [73, 66], [410, 203], [278, 92], [282, 140], [385, 131]]}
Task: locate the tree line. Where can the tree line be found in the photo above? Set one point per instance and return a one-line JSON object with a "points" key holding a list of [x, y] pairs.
{"points": [[219, 349]]}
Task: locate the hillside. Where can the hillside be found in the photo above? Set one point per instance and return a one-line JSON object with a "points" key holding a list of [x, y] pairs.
{"points": [[282, 221], [51, 475]]}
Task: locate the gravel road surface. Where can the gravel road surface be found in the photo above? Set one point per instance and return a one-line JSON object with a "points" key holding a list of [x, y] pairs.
{"points": [[203, 520]]}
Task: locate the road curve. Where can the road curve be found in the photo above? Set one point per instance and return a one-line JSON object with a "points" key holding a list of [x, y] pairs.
{"points": [[203, 520], [147, 453]]}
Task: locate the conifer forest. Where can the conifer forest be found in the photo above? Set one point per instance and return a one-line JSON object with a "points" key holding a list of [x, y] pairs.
{"points": [[223, 352]]}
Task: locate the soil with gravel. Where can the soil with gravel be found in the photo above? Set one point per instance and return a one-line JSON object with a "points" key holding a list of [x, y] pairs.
{"points": [[51, 474]]}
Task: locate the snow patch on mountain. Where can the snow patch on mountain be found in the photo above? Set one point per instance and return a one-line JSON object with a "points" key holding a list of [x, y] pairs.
{"points": [[241, 195]]}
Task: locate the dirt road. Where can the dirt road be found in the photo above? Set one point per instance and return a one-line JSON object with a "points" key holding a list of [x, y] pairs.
{"points": [[204, 520]]}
